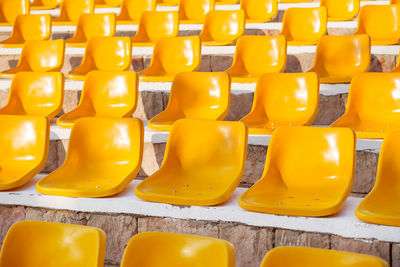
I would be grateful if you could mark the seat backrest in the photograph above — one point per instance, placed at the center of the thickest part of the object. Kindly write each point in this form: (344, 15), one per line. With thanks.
(168, 249)
(394, 2)
(34, 244)
(108, 2)
(132, 9)
(259, 10)
(31, 28)
(50, 3)
(341, 9)
(71, 10)
(10, 9)
(94, 25)
(195, 9)
(221, 25)
(158, 24)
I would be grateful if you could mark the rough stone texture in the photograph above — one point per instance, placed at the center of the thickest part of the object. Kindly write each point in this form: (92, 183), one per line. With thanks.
(396, 255)
(383, 63)
(251, 243)
(371, 247)
(341, 31)
(3, 98)
(205, 63)
(8, 216)
(255, 162)
(330, 108)
(150, 103)
(240, 106)
(295, 238)
(71, 100)
(299, 62)
(221, 63)
(61, 216)
(365, 172)
(153, 155)
(52, 158)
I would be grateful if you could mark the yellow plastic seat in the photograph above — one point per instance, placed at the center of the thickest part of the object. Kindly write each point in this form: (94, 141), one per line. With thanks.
(92, 25)
(259, 11)
(381, 23)
(131, 10)
(394, 2)
(316, 257)
(71, 10)
(36, 94)
(29, 28)
(104, 155)
(10, 9)
(107, 3)
(155, 25)
(339, 58)
(308, 172)
(168, 2)
(105, 95)
(372, 113)
(150, 249)
(195, 95)
(24, 145)
(283, 99)
(39, 56)
(46, 244)
(256, 55)
(172, 55)
(226, 2)
(304, 26)
(194, 11)
(222, 27)
(340, 10)
(294, 1)
(382, 205)
(203, 164)
(105, 54)
(45, 4)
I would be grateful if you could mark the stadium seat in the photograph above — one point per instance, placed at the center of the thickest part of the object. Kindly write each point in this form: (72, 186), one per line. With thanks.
(24, 145)
(117, 58)
(104, 155)
(283, 99)
(71, 10)
(259, 11)
(381, 23)
(339, 58)
(10, 9)
(304, 26)
(131, 10)
(226, 2)
(92, 25)
(151, 249)
(155, 25)
(256, 55)
(382, 205)
(39, 56)
(35, 94)
(29, 28)
(194, 11)
(45, 4)
(171, 56)
(105, 94)
(45, 244)
(372, 113)
(315, 257)
(195, 95)
(222, 27)
(308, 172)
(294, 1)
(394, 2)
(203, 164)
(107, 3)
(340, 10)
(168, 2)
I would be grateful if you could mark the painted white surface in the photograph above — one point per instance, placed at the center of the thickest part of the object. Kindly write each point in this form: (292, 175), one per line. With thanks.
(344, 223)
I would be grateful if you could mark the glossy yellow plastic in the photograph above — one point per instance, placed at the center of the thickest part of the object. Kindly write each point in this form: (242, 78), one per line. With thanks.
(47, 244)
(104, 155)
(382, 205)
(107, 3)
(339, 58)
(39, 56)
(10, 9)
(304, 26)
(203, 164)
(105, 54)
(29, 28)
(195, 95)
(340, 10)
(131, 10)
(308, 172)
(168, 2)
(36, 94)
(283, 99)
(24, 145)
(71, 10)
(222, 27)
(226, 2)
(370, 112)
(172, 55)
(394, 2)
(259, 11)
(316, 257)
(256, 55)
(155, 25)
(150, 249)
(295, 1)
(194, 11)
(105, 95)
(92, 25)
(45, 4)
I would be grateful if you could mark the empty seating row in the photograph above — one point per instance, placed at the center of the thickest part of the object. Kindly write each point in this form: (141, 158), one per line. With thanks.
(48, 244)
